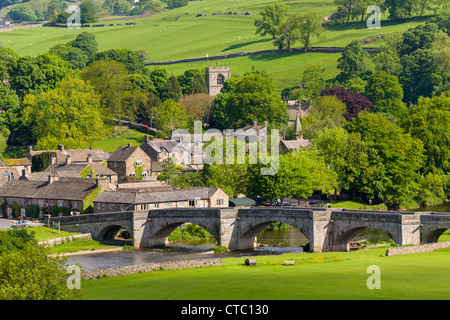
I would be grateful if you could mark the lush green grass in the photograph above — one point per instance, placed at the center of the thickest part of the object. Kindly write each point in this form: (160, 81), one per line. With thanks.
(120, 138)
(81, 245)
(178, 34)
(285, 69)
(357, 205)
(314, 276)
(44, 233)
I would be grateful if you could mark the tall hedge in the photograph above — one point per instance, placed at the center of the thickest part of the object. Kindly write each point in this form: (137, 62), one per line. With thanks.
(41, 161)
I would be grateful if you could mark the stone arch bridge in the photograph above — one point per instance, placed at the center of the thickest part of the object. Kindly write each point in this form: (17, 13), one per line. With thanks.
(237, 228)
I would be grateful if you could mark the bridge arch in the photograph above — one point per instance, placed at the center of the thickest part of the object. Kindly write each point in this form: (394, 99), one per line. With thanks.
(433, 235)
(248, 239)
(160, 236)
(342, 240)
(110, 231)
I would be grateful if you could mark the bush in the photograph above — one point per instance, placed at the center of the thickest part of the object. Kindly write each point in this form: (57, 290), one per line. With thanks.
(32, 211)
(219, 249)
(41, 161)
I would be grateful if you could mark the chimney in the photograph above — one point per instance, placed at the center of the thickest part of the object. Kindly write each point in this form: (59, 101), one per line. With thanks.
(68, 160)
(29, 149)
(146, 138)
(61, 147)
(129, 145)
(255, 123)
(24, 173)
(101, 182)
(53, 177)
(89, 158)
(91, 147)
(53, 160)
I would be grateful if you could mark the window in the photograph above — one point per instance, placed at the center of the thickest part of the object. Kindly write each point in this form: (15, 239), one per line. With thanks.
(220, 79)
(168, 205)
(132, 174)
(156, 205)
(219, 202)
(138, 163)
(144, 174)
(191, 203)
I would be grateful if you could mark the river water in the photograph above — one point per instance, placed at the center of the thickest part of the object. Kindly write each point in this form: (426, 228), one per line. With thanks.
(271, 242)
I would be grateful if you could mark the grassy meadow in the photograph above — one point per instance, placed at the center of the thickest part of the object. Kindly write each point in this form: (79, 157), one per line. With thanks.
(179, 34)
(334, 275)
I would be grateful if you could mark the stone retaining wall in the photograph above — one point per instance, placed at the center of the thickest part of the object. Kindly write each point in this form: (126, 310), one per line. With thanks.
(243, 54)
(171, 265)
(54, 242)
(418, 249)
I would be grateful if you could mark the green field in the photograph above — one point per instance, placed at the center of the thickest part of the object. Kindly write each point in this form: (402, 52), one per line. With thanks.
(178, 34)
(314, 276)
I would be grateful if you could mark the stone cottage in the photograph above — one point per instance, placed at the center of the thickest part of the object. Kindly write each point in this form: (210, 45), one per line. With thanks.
(160, 150)
(76, 155)
(130, 161)
(159, 198)
(52, 195)
(87, 169)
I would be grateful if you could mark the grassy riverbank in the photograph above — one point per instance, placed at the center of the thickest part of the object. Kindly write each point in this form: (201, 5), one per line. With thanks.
(332, 275)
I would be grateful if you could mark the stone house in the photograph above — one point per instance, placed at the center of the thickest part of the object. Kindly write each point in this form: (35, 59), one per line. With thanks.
(7, 174)
(160, 198)
(87, 169)
(160, 150)
(18, 164)
(130, 161)
(52, 195)
(76, 155)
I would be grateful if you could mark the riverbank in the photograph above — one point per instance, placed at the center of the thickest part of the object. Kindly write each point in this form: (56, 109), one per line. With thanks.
(331, 276)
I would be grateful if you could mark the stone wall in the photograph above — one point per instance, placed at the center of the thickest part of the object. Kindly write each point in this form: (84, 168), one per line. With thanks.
(54, 242)
(417, 249)
(243, 54)
(171, 265)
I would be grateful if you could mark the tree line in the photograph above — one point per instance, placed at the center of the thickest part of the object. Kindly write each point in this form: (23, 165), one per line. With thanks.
(286, 29)
(54, 11)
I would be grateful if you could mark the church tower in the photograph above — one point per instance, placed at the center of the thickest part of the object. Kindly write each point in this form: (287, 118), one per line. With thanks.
(215, 77)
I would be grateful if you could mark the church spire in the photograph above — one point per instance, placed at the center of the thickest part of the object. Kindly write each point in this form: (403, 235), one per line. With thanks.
(297, 128)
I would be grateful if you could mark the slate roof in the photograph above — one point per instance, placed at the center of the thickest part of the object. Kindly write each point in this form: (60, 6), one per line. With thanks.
(76, 155)
(133, 196)
(43, 176)
(5, 174)
(58, 190)
(122, 153)
(295, 144)
(160, 145)
(79, 167)
(16, 162)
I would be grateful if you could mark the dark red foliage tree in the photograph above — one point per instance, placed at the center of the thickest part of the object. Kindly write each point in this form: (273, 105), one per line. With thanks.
(355, 101)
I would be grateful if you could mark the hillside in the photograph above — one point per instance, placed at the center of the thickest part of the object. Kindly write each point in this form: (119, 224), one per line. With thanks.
(179, 34)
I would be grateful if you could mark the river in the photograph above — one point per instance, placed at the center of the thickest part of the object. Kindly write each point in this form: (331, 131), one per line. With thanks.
(272, 243)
